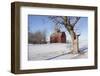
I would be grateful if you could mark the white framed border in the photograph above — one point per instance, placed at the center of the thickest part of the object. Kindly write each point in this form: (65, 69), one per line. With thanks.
(25, 64)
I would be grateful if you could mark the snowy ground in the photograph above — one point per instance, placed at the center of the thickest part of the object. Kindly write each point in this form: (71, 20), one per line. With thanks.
(55, 51)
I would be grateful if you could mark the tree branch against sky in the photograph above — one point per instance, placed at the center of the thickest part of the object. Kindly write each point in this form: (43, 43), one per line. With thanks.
(42, 22)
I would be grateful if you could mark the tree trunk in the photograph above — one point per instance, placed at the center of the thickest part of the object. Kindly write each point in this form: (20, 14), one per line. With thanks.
(75, 42)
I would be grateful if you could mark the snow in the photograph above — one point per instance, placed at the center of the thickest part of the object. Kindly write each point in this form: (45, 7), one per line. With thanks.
(55, 51)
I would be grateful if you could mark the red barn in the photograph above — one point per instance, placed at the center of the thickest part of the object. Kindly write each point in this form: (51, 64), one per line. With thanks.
(58, 37)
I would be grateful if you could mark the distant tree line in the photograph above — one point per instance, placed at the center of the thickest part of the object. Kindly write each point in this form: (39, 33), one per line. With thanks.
(38, 37)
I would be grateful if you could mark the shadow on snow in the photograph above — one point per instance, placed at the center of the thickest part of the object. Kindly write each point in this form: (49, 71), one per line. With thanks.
(81, 51)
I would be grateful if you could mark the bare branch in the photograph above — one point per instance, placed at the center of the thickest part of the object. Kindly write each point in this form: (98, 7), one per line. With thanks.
(68, 21)
(76, 20)
(57, 19)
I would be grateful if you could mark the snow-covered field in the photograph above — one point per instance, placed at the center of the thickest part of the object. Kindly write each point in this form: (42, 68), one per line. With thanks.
(54, 51)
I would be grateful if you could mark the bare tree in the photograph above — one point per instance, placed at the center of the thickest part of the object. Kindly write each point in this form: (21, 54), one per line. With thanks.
(69, 23)
(44, 35)
(38, 37)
